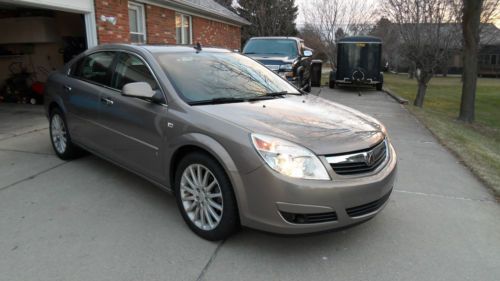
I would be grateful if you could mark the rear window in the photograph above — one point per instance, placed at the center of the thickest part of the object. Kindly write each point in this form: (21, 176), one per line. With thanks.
(281, 47)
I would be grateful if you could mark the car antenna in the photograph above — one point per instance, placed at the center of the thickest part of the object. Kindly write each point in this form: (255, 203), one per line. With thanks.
(198, 47)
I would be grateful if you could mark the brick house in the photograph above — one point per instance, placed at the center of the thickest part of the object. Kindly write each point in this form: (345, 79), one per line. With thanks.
(167, 22)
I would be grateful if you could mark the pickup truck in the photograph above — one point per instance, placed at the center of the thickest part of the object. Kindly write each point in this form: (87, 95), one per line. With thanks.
(287, 56)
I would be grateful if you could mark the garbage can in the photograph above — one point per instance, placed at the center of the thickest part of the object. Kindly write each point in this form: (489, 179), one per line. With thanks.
(316, 66)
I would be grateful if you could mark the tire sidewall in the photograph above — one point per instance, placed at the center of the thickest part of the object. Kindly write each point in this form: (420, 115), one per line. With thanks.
(230, 220)
(52, 114)
(71, 151)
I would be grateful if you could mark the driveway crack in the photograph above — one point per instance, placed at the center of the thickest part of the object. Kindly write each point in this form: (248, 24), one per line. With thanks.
(210, 261)
(23, 133)
(24, 151)
(33, 176)
(445, 196)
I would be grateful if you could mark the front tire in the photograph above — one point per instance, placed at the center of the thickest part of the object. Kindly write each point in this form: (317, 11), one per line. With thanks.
(60, 137)
(308, 88)
(205, 197)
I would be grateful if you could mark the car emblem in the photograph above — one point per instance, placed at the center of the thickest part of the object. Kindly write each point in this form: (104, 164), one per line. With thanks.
(369, 158)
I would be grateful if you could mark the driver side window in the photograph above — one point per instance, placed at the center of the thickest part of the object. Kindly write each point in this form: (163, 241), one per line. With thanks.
(129, 69)
(95, 68)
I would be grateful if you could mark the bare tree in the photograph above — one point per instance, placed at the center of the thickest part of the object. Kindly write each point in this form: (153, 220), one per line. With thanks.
(387, 31)
(312, 39)
(327, 17)
(428, 29)
(474, 12)
(470, 29)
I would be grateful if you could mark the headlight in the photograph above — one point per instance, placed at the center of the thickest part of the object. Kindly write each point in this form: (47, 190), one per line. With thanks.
(286, 67)
(289, 159)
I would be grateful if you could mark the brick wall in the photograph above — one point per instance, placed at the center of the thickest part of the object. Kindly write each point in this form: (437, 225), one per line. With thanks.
(160, 26)
(106, 32)
(213, 33)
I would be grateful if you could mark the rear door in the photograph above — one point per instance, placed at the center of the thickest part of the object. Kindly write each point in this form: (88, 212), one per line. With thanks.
(82, 91)
(135, 128)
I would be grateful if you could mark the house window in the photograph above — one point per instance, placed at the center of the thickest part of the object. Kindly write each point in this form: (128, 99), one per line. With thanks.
(137, 22)
(183, 25)
(493, 59)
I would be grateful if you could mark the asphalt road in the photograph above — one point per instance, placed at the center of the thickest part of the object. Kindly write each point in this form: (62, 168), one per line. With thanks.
(90, 220)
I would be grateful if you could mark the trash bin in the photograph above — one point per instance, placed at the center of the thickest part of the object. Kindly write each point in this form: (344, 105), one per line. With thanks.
(316, 66)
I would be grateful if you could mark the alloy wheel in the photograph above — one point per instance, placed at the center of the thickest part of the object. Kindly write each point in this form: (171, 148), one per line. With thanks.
(201, 197)
(58, 132)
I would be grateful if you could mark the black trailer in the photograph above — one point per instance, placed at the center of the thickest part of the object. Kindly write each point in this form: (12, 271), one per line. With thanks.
(358, 62)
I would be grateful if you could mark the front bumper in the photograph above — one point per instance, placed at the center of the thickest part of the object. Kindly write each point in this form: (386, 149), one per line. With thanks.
(270, 197)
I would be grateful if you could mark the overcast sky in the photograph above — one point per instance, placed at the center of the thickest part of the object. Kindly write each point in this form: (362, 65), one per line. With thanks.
(300, 18)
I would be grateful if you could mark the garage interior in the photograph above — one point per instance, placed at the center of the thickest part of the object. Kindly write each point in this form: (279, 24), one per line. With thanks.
(35, 42)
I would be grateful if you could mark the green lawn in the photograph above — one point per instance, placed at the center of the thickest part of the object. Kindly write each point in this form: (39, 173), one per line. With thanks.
(477, 145)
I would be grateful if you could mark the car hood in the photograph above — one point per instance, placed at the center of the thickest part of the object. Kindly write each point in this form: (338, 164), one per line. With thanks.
(322, 126)
(271, 57)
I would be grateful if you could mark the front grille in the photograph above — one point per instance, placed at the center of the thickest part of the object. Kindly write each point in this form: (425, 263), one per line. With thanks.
(367, 208)
(309, 218)
(360, 162)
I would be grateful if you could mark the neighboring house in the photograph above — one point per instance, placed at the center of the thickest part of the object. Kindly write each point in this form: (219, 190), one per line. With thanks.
(488, 57)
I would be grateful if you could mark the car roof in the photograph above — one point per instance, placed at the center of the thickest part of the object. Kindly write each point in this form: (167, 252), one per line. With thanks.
(360, 39)
(159, 48)
(276, 37)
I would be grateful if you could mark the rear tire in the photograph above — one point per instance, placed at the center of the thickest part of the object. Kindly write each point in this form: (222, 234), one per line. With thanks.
(205, 197)
(60, 137)
(379, 86)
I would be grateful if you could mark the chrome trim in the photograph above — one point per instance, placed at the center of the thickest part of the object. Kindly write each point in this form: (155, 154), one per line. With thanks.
(273, 67)
(111, 88)
(360, 157)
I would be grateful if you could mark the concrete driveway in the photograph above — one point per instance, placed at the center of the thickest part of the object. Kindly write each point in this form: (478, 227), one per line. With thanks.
(90, 220)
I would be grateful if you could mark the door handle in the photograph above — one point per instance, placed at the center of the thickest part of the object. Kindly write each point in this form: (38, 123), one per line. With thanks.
(67, 88)
(107, 101)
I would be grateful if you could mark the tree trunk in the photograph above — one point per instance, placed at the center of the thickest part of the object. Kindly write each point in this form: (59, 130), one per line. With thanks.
(422, 89)
(470, 29)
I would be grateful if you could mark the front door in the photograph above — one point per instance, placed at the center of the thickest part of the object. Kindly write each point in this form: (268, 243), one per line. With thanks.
(82, 92)
(135, 128)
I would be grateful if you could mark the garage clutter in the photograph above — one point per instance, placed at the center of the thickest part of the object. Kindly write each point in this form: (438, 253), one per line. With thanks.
(35, 43)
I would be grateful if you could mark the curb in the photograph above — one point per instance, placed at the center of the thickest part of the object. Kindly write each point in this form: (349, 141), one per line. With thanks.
(395, 96)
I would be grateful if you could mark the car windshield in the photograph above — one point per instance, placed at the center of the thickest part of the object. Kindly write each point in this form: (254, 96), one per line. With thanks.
(205, 76)
(282, 47)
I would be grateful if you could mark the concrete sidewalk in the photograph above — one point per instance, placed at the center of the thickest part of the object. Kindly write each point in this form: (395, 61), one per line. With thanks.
(90, 220)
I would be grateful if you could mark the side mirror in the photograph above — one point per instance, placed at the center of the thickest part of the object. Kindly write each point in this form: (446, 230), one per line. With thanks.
(308, 53)
(138, 90)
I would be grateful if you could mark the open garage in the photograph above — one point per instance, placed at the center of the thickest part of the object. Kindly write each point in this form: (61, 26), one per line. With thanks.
(39, 37)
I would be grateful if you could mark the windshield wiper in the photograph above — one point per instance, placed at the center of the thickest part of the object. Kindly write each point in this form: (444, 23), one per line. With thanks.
(217, 101)
(277, 94)
(282, 93)
(235, 99)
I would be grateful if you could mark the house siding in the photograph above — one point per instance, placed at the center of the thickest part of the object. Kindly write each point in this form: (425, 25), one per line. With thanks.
(160, 26)
(213, 33)
(106, 32)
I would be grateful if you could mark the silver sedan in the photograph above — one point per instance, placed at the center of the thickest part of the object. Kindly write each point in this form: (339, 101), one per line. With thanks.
(236, 143)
